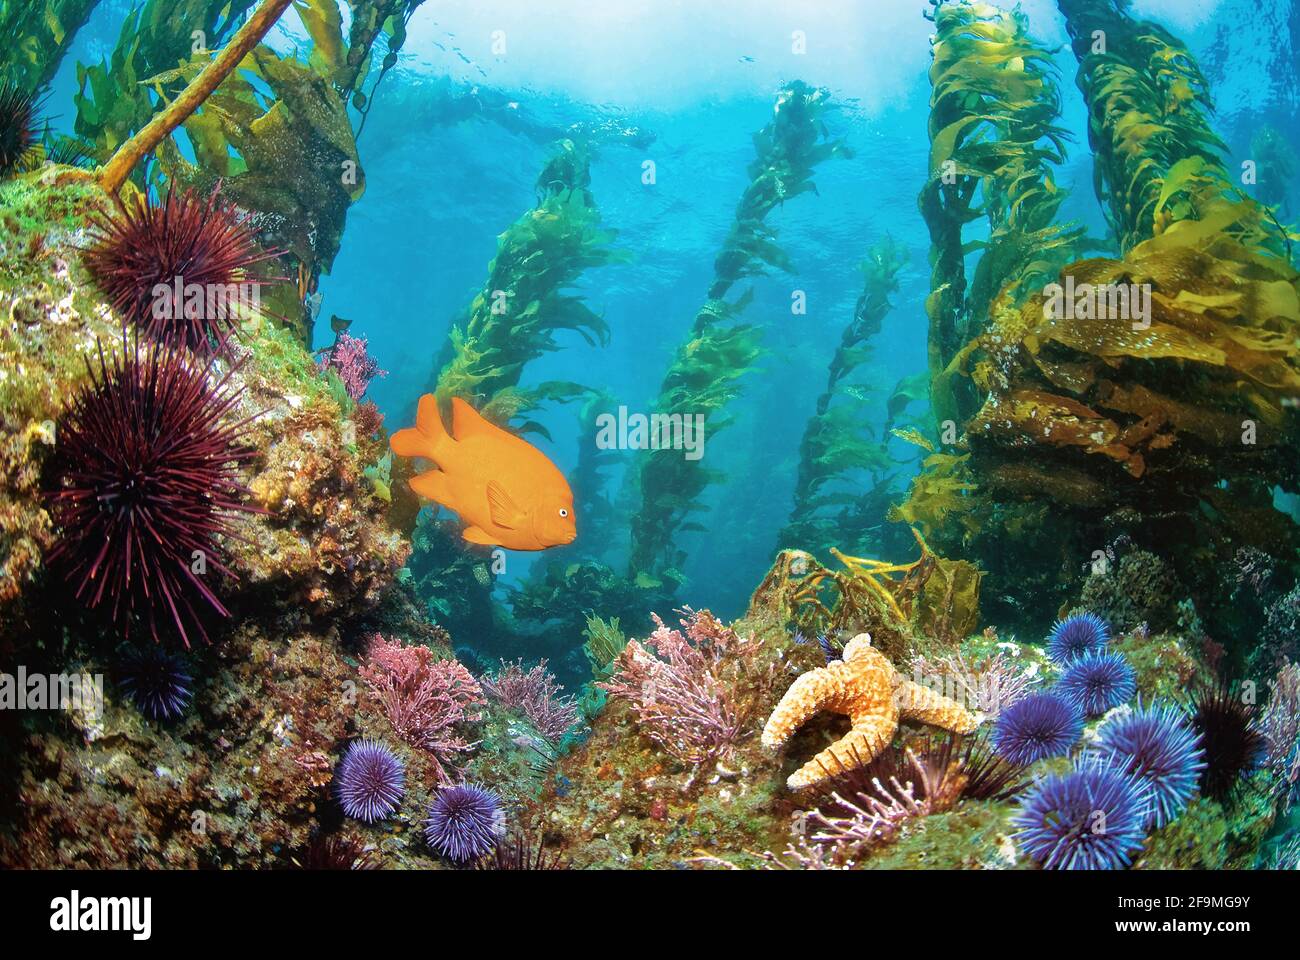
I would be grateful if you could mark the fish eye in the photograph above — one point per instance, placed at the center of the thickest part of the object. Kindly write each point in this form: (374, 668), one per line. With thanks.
(564, 512)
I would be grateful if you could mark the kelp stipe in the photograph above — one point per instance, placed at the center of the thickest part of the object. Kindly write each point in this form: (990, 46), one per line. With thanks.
(703, 377)
(995, 138)
(526, 299)
(837, 441)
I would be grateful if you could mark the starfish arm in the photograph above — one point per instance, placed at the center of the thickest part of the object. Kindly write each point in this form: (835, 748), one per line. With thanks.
(806, 696)
(918, 702)
(855, 749)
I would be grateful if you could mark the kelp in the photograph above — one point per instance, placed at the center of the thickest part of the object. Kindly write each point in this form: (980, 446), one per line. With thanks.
(994, 141)
(1173, 427)
(275, 130)
(1156, 159)
(371, 19)
(37, 33)
(1200, 397)
(925, 606)
(115, 98)
(527, 298)
(703, 378)
(837, 442)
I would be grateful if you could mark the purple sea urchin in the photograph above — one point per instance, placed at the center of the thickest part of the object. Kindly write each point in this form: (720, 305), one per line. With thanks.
(140, 257)
(1097, 682)
(1035, 727)
(1157, 746)
(157, 680)
(145, 478)
(1092, 818)
(465, 822)
(369, 781)
(1076, 635)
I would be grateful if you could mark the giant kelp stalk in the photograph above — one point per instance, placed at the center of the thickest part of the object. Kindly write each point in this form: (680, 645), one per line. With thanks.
(1151, 394)
(527, 299)
(994, 139)
(837, 441)
(276, 132)
(1156, 158)
(119, 167)
(37, 33)
(524, 303)
(703, 378)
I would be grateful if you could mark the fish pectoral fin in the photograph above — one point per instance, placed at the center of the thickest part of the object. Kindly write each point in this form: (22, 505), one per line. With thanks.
(503, 510)
(477, 535)
(432, 485)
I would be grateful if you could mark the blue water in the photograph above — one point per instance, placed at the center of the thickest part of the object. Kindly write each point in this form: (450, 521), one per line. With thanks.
(699, 77)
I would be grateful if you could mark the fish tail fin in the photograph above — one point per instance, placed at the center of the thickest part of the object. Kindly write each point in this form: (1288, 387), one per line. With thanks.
(426, 437)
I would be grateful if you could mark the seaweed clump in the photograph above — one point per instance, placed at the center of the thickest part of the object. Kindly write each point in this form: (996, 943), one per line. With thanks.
(1150, 393)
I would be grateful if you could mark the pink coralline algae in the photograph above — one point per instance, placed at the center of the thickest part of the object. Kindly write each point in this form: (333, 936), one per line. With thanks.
(350, 358)
(679, 688)
(536, 695)
(425, 700)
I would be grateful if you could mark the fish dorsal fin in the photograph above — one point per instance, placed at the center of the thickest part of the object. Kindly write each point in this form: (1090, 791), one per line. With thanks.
(468, 422)
(505, 513)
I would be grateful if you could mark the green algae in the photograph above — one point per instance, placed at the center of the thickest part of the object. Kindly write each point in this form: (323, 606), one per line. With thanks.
(973, 836)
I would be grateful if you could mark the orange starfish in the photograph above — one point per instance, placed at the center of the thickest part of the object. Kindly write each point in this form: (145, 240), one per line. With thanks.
(865, 686)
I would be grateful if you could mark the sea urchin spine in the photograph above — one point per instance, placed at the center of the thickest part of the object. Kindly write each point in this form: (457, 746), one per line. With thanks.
(1097, 682)
(1076, 635)
(157, 680)
(1038, 726)
(178, 270)
(465, 822)
(369, 781)
(145, 479)
(19, 130)
(1157, 746)
(1092, 818)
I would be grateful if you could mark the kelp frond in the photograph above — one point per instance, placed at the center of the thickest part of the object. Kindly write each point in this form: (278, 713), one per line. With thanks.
(526, 299)
(1157, 160)
(994, 142)
(705, 372)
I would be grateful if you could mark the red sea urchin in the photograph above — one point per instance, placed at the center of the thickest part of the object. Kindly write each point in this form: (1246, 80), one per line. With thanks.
(19, 130)
(179, 269)
(144, 479)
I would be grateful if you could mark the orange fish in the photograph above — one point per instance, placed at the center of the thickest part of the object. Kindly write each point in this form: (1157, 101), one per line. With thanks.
(505, 490)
